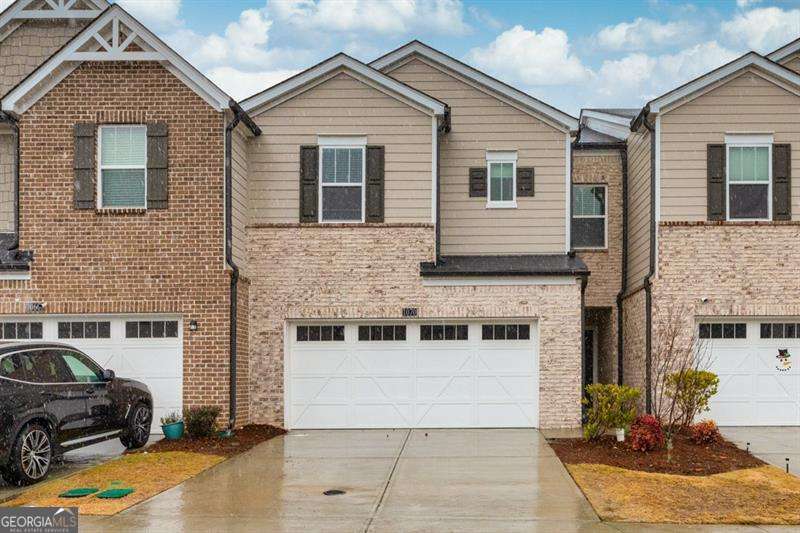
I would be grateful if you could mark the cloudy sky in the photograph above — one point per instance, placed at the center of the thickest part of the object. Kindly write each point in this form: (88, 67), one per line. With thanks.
(571, 54)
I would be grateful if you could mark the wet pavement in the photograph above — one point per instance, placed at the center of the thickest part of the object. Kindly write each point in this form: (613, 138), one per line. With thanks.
(773, 445)
(393, 481)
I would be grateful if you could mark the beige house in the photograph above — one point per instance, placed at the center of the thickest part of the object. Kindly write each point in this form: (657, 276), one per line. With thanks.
(404, 243)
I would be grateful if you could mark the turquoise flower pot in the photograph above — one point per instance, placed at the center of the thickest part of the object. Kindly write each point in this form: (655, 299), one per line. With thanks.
(173, 431)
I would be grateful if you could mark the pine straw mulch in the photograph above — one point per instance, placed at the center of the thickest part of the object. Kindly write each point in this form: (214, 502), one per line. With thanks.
(149, 471)
(687, 458)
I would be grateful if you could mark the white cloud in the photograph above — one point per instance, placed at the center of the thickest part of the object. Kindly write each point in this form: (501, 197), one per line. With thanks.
(155, 14)
(746, 3)
(542, 58)
(643, 33)
(374, 16)
(5, 3)
(241, 84)
(763, 29)
(485, 17)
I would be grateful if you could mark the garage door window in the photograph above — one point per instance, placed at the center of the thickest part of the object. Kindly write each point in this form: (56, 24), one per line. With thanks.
(773, 330)
(444, 332)
(379, 332)
(21, 330)
(320, 333)
(84, 330)
(151, 329)
(511, 332)
(726, 330)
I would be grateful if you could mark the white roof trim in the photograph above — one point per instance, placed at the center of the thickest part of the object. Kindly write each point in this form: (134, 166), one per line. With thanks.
(46, 76)
(57, 9)
(607, 117)
(784, 51)
(330, 65)
(525, 100)
(747, 60)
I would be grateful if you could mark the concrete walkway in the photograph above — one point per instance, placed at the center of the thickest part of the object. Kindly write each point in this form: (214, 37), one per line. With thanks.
(770, 444)
(394, 481)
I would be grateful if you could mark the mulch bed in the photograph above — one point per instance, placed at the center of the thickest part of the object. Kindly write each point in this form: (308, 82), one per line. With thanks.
(687, 458)
(242, 440)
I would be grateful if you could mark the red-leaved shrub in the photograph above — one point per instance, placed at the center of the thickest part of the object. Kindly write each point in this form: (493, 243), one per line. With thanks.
(705, 432)
(646, 434)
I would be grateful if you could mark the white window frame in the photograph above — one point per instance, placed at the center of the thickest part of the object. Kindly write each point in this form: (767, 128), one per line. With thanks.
(332, 143)
(501, 157)
(101, 167)
(604, 216)
(747, 141)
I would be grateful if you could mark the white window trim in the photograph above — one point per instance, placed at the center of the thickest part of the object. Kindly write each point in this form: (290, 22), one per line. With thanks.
(320, 186)
(501, 157)
(747, 141)
(604, 216)
(101, 167)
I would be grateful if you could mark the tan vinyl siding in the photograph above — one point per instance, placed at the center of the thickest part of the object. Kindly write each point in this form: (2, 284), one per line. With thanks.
(482, 122)
(347, 106)
(639, 206)
(792, 62)
(6, 183)
(748, 103)
(239, 197)
(30, 45)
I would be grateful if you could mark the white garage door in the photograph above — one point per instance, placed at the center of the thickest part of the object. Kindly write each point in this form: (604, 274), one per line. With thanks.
(758, 364)
(433, 375)
(144, 348)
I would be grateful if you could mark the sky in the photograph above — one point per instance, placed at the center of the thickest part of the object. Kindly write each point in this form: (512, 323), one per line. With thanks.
(570, 54)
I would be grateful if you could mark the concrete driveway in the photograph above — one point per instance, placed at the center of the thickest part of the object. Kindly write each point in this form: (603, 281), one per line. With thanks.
(770, 444)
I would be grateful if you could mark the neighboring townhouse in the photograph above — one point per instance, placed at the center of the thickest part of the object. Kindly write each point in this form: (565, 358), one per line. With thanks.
(713, 229)
(116, 224)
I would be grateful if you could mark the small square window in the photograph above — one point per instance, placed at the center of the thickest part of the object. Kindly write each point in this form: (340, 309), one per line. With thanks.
(789, 331)
(36, 330)
(302, 333)
(363, 333)
(9, 330)
(145, 329)
(131, 330)
(63, 330)
(524, 332)
(171, 329)
(158, 329)
(338, 333)
(375, 333)
(727, 331)
(438, 332)
(23, 330)
(716, 331)
(314, 333)
(462, 332)
(499, 332)
(90, 330)
(400, 333)
(388, 333)
(326, 333)
(77, 330)
(777, 331)
(450, 333)
(766, 331)
(487, 332)
(512, 332)
(741, 331)
(426, 333)
(705, 331)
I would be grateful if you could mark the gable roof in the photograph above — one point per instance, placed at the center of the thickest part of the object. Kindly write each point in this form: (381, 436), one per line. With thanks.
(784, 51)
(494, 85)
(21, 10)
(750, 59)
(113, 36)
(339, 61)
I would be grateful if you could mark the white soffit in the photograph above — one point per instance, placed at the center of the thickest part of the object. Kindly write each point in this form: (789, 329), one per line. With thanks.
(750, 59)
(496, 86)
(332, 64)
(113, 36)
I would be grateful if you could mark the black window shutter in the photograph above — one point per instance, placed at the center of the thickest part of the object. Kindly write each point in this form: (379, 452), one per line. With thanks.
(84, 161)
(157, 166)
(525, 181)
(715, 170)
(374, 184)
(781, 182)
(477, 182)
(309, 170)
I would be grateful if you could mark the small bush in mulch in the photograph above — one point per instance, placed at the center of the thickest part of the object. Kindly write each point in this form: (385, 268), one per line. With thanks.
(705, 432)
(687, 458)
(242, 440)
(646, 434)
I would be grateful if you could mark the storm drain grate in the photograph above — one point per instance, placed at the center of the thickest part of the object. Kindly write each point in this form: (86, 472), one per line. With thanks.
(333, 492)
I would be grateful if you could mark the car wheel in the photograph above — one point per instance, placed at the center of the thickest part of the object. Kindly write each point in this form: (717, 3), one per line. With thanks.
(138, 431)
(31, 456)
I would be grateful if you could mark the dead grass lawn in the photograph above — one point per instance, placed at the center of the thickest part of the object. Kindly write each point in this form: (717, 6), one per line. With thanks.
(762, 495)
(148, 473)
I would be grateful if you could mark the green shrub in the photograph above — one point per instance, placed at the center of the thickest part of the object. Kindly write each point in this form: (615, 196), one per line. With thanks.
(201, 421)
(171, 418)
(610, 406)
(691, 390)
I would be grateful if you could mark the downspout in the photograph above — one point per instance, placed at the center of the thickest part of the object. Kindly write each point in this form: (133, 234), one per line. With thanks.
(584, 283)
(239, 115)
(624, 282)
(14, 244)
(648, 288)
(443, 128)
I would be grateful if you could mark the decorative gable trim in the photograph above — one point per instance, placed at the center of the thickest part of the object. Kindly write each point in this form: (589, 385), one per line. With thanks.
(784, 51)
(751, 59)
(113, 36)
(340, 61)
(52, 9)
(496, 86)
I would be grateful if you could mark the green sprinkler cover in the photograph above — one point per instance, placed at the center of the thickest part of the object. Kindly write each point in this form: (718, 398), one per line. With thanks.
(78, 493)
(115, 493)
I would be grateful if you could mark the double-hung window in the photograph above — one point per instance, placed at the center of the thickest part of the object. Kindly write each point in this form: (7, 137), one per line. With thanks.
(502, 169)
(122, 179)
(589, 216)
(749, 177)
(342, 169)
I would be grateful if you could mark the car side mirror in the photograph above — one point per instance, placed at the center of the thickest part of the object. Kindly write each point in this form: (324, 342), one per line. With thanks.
(108, 374)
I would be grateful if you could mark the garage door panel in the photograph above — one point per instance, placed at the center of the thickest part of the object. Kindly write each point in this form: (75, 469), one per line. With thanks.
(412, 383)
(150, 361)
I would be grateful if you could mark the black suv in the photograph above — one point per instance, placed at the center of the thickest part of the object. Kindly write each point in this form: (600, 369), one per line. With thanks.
(54, 398)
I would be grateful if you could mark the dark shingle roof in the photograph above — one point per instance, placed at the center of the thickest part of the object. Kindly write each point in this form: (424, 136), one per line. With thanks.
(624, 112)
(505, 265)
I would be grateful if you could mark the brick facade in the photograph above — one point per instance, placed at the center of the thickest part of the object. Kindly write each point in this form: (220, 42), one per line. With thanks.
(372, 271)
(154, 261)
(634, 335)
(603, 167)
